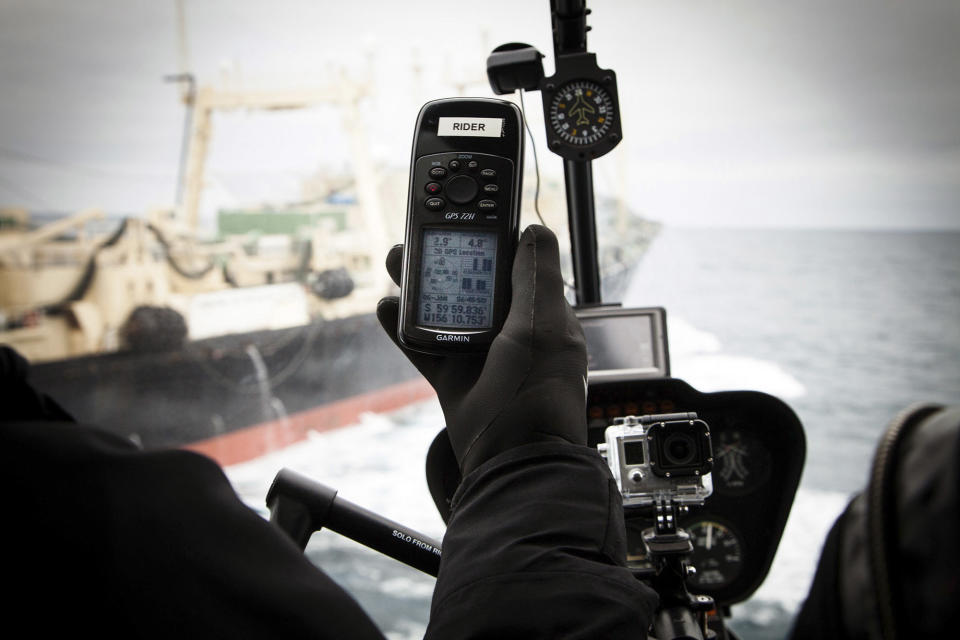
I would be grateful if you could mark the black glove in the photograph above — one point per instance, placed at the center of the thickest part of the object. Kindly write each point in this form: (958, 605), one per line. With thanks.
(531, 386)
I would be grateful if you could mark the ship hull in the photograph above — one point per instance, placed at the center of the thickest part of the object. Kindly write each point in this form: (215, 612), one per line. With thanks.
(238, 397)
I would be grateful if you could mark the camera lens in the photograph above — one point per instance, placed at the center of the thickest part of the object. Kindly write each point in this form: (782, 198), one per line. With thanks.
(679, 449)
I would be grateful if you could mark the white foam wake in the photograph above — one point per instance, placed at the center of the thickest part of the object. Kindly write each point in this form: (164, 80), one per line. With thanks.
(377, 464)
(811, 517)
(697, 357)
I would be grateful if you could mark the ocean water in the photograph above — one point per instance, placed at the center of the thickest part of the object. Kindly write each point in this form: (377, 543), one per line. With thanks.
(848, 327)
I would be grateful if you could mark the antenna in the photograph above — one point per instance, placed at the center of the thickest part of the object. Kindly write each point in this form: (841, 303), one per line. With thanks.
(188, 94)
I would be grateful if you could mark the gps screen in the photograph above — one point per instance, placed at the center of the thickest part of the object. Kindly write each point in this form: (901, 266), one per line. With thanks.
(456, 279)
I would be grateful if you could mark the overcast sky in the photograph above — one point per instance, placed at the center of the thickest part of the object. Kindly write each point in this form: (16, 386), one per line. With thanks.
(735, 113)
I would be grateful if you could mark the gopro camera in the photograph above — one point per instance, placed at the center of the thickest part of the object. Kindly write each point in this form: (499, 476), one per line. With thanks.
(665, 458)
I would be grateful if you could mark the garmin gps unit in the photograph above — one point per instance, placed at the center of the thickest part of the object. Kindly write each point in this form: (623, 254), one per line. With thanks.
(463, 214)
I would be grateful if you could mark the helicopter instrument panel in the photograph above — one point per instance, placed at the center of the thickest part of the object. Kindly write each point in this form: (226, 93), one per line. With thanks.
(758, 451)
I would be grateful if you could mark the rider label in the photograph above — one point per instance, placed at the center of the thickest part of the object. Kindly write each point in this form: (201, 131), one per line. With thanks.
(472, 127)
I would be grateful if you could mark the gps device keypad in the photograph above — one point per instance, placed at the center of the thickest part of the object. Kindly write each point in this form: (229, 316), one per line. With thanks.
(477, 187)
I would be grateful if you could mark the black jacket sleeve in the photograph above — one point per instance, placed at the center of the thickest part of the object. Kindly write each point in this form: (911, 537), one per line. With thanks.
(101, 537)
(536, 549)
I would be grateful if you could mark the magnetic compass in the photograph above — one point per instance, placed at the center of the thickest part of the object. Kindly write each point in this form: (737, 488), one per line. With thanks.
(580, 108)
(581, 113)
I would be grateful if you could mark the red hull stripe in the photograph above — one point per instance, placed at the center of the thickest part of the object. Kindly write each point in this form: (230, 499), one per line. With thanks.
(260, 439)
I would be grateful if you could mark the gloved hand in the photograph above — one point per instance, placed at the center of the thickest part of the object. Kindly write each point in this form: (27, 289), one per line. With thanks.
(531, 386)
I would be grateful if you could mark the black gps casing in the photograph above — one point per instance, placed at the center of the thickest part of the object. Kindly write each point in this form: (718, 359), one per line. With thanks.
(461, 185)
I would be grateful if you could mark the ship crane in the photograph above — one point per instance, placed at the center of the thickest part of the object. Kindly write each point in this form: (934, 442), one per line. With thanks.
(345, 94)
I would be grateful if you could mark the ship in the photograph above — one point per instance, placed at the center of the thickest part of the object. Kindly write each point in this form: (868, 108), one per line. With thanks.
(241, 344)
(127, 338)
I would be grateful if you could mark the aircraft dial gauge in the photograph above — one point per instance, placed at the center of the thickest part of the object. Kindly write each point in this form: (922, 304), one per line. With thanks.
(581, 113)
(717, 554)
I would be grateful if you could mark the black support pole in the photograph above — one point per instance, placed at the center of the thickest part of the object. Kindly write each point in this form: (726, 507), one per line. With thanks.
(578, 177)
(570, 29)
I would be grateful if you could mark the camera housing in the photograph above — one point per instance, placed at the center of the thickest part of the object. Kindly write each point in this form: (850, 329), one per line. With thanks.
(664, 458)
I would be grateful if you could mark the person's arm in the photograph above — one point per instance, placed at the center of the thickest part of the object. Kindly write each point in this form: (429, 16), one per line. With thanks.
(535, 545)
(535, 548)
(99, 536)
